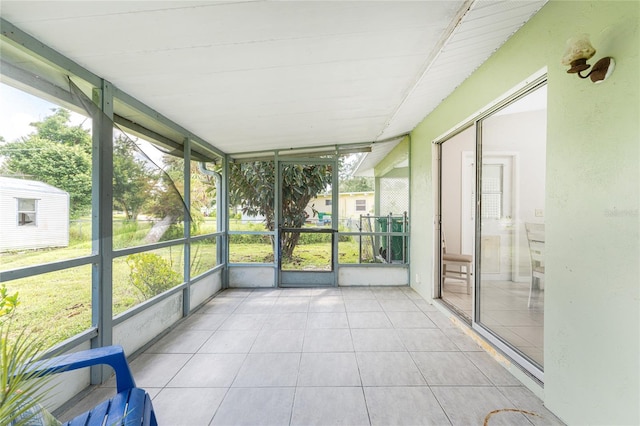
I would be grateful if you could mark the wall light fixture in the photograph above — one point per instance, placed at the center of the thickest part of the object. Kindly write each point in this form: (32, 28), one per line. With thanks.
(578, 51)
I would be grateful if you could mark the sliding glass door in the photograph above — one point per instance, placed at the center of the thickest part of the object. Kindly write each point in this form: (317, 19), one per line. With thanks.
(510, 225)
(492, 214)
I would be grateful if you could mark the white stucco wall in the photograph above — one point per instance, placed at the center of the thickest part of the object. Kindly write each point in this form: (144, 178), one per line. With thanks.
(143, 327)
(252, 276)
(204, 288)
(373, 276)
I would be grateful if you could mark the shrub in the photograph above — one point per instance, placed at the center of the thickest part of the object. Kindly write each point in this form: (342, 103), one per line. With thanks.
(314, 238)
(249, 239)
(151, 274)
(175, 231)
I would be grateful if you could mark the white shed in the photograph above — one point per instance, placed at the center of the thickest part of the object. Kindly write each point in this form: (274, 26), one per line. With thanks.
(32, 215)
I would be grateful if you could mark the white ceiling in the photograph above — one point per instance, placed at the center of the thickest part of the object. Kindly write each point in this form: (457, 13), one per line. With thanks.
(257, 75)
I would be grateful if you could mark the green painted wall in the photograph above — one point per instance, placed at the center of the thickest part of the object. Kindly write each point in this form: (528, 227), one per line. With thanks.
(592, 289)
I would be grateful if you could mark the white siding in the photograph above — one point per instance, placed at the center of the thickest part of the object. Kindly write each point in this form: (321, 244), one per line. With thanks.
(52, 216)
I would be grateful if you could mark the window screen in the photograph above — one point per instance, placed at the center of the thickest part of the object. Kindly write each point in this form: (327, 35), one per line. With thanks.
(492, 191)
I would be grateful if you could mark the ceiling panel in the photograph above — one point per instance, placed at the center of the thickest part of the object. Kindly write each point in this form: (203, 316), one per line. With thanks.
(249, 76)
(482, 30)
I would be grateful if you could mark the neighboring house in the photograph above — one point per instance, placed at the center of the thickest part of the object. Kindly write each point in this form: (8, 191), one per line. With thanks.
(350, 205)
(32, 215)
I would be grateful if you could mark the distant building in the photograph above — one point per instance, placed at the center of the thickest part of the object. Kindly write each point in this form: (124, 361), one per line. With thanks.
(350, 206)
(32, 215)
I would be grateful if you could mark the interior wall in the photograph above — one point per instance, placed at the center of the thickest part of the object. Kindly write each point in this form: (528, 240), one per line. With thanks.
(592, 300)
(522, 134)
(451, 175)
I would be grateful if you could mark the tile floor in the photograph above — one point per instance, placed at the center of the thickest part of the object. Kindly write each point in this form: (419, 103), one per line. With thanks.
(349, 356)
(506, 311)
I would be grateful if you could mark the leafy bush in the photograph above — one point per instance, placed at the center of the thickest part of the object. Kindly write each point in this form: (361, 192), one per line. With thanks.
(151, 274)
(175, 231)
(314, 238)
(249, 239)
(21, 388)
(8, 303)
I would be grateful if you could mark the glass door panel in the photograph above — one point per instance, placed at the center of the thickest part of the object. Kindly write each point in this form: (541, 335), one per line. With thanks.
(457, 212)
(510, 292)
(306, 243)
(313, 251)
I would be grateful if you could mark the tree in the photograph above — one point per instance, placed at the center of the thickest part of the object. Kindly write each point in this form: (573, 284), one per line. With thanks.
(56, 128)
(57, 154)
(203, 190)
(132, 180)
(350, 183)
(159, 192)
(357, 184)
(168, 202)
(168, 193)
(252, 186)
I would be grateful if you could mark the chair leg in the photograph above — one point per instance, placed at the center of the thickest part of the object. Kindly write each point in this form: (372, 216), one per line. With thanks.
(468, 276)
(443, 272)
(530, 291)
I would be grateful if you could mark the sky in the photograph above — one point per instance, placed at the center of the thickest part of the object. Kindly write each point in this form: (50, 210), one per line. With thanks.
(18, 109)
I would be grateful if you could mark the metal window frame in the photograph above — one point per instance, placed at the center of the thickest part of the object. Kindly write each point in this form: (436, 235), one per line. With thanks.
(34, 212)
(56, 68)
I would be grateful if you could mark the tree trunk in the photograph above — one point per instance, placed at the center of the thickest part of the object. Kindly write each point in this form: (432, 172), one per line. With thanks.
(158, 230)
(289, 242)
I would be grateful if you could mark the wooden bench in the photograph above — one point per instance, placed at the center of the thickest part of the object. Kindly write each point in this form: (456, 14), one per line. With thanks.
(130, 406)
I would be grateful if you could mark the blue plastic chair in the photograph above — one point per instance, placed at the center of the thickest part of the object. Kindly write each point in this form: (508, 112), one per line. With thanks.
(130, 406)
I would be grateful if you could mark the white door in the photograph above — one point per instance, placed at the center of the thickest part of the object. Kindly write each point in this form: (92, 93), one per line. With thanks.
(497, 216)
(468, 203)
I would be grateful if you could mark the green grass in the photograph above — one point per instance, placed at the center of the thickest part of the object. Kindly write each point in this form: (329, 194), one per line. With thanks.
(21, 259)
(54, 306)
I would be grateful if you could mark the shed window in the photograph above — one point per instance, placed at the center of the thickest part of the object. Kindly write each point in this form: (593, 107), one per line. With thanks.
(327, 202)
(27, 212)
(361, 205)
